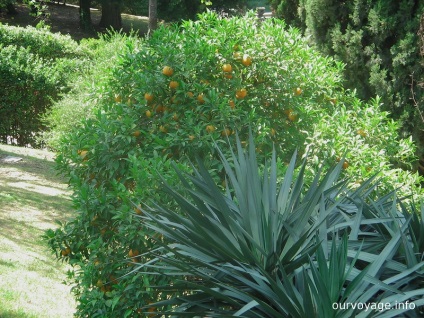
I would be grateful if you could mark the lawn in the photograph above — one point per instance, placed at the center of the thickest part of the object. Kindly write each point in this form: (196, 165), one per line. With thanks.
(65, 19)
(32, 199)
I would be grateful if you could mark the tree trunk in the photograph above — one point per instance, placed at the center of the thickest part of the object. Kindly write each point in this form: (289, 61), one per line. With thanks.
(85, 15)
(111, 15)
(11, 9)
(153, 15)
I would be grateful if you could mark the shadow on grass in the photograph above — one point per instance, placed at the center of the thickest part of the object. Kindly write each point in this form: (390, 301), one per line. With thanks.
(14, 314)
(32, 165)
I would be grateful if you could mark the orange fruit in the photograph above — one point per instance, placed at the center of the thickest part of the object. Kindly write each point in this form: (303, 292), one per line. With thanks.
(237, 55)
(229, 76)
(247, 60)
(66, 251)
(227, 68)
(133, 253)
(298, 91)
(148, 97)
(137, 209)
(292, 116)
(232, 104)
(163, 129)
(168, 71)
(200, 99)
(226, 132)
(345, 164)
(241, 93)
(190, 94)
(361, 132)
(99, 283)
(160, 109)
(191, 137)
(83, 153)
(210, 128)
(148, 113)
(173, 84)
(118, 98)
(136, 133)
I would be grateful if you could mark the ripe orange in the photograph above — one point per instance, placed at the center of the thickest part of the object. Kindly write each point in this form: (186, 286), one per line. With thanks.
(173, 84)
(148, 97)
(191, 137)
(226, 132)
(247, 60)
(232, 104)
(83, 153)
(210, 128)
(298, 91)
(168, 71)
(66, 251)
(200, 99)
(345, 164)
(241, 93)
(361, 133)
(136, 133)
(148, 113)
(227, 68)
(237, 55)
(118, 98)
(160, 109)
(292, 116)
(190, 94)
(137, 209)
(133, 253)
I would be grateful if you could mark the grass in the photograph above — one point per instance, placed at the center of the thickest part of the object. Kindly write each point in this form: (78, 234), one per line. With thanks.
(32, 199)
(65, 19)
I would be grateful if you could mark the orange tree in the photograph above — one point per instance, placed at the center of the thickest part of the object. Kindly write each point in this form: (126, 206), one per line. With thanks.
(172, 97)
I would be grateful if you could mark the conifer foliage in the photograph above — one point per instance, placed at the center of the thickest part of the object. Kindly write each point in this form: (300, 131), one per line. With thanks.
(378, 41)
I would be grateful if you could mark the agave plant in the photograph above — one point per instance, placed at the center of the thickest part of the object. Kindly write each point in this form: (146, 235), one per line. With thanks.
(267, 247)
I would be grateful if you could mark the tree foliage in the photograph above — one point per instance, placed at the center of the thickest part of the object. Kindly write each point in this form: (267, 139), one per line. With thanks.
(378, 42)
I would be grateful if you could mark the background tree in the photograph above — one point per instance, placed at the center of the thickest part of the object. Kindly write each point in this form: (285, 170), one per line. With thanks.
(111, 14)
(153, 15)
(378, 42)
(85, 14)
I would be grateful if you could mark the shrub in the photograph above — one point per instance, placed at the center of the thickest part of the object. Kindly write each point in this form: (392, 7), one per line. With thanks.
(42, 42)
(67, 112)
(172, 96)
(282, 249)
(35, 67)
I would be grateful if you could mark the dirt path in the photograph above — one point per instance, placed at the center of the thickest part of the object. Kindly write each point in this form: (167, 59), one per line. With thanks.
(32, 199)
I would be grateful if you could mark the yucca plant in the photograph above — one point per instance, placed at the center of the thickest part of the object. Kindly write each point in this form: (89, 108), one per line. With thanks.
(267, 247)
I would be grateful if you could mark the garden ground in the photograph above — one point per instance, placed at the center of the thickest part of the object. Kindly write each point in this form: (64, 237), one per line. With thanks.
(32, 199)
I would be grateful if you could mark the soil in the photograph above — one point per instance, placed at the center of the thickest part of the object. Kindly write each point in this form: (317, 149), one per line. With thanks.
(65, 19)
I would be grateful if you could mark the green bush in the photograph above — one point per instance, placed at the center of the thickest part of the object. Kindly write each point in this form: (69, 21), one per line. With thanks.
(35, 68)
(67, 112)
(42, 42)
(268, 248)
(172, 96)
